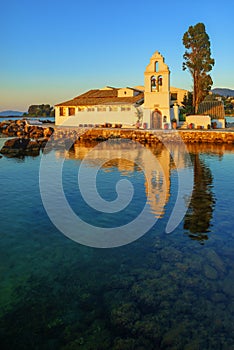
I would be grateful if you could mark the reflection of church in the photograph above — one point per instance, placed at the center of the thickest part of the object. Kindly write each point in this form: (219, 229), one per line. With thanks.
(127, 158)
(151, 106)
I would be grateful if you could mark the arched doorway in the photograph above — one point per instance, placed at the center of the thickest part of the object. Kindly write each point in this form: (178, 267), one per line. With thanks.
(156, 120)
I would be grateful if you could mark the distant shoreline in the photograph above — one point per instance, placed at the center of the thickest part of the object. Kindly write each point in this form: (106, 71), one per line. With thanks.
(21, 117)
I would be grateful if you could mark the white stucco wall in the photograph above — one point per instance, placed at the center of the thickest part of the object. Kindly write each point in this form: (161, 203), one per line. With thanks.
(95, 117)
(220, 123)
(199, 120)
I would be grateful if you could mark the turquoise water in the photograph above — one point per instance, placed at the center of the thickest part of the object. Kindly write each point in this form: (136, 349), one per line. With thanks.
(163, 291)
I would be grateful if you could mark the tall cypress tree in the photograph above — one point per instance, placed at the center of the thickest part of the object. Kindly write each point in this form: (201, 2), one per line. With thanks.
(197, 59)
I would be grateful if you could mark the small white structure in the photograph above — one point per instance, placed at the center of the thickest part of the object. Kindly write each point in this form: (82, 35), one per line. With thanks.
(199, 121)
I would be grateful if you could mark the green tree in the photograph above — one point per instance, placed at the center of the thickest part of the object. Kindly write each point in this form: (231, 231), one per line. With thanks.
(40, 110)
(187, 104)
(197, 59)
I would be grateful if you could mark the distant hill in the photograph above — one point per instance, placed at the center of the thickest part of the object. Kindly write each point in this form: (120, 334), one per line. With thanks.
(223, 92)
(11, 114)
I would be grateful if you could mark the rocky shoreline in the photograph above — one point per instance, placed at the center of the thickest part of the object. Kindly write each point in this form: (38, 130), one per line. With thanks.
(30, 139)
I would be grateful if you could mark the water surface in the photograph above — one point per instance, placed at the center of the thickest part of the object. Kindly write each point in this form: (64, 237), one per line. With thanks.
(163, 291)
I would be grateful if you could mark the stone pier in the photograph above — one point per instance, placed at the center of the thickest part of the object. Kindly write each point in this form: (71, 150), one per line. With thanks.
(147, 136)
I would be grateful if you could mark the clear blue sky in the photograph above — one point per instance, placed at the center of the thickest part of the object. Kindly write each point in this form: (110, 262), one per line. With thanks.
(54, 50)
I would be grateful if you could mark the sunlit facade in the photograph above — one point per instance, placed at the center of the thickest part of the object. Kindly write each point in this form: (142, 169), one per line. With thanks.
(151, 106)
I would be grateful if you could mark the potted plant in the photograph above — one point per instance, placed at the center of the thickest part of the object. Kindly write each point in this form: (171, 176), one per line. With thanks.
(214, 125)
(139, 115)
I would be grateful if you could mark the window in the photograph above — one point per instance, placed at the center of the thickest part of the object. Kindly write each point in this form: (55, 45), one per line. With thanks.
(71, 111)
(125, 108)
(113, 108)
(174, 96)
(90, 109)
(101, 109)
(156, 66)
(62, 111)
(160, 80)
(153, 83)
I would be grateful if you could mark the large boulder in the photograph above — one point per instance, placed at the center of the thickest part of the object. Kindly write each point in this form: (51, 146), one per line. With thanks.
(48, 131)
(32, 149)
(15, 147)
(22, 128)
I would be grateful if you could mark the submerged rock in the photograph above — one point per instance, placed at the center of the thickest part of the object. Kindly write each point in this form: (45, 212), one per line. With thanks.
(215, 260)
(228, 285)
(14, 147)
(210, 272)
(19, 147)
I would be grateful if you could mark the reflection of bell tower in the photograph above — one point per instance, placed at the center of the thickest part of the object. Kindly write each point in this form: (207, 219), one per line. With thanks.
(157, 88)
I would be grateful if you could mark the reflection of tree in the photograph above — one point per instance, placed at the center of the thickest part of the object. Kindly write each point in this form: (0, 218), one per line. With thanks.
(199, 214)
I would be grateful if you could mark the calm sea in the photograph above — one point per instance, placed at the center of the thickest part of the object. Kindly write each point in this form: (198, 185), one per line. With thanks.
(163, 291)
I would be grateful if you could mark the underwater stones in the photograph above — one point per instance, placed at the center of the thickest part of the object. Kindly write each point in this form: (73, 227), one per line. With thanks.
(170, 254)
(126, 344)
(125, 316)
(210, 272)
(218, 297)
(228, 284)
(145, 295)
(213, 258)
(174, 336)
(196, 264)
(194, 345)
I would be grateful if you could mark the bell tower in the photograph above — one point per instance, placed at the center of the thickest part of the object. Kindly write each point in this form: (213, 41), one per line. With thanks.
(157, 89)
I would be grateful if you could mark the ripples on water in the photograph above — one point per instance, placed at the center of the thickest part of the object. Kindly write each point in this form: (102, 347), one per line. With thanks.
(160, 292)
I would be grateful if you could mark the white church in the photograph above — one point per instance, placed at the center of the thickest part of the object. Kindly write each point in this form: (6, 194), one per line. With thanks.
(152, 106)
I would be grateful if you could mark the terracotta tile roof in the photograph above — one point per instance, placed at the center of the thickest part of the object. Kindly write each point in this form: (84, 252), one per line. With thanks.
(215, 109)
(101, 97)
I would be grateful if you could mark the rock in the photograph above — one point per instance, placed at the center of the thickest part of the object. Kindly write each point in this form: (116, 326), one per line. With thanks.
(48, 131)
(16, 143)
(215, 260)
(171, 254)
(43, 141)
(228, 285)
(218, 297)
(32, 149)
(173, 336)
(21, 128)
(210, 272)
(15, 147)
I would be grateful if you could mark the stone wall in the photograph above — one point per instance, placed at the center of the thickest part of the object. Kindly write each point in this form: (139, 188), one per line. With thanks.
(31, 139)
(148, 137)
